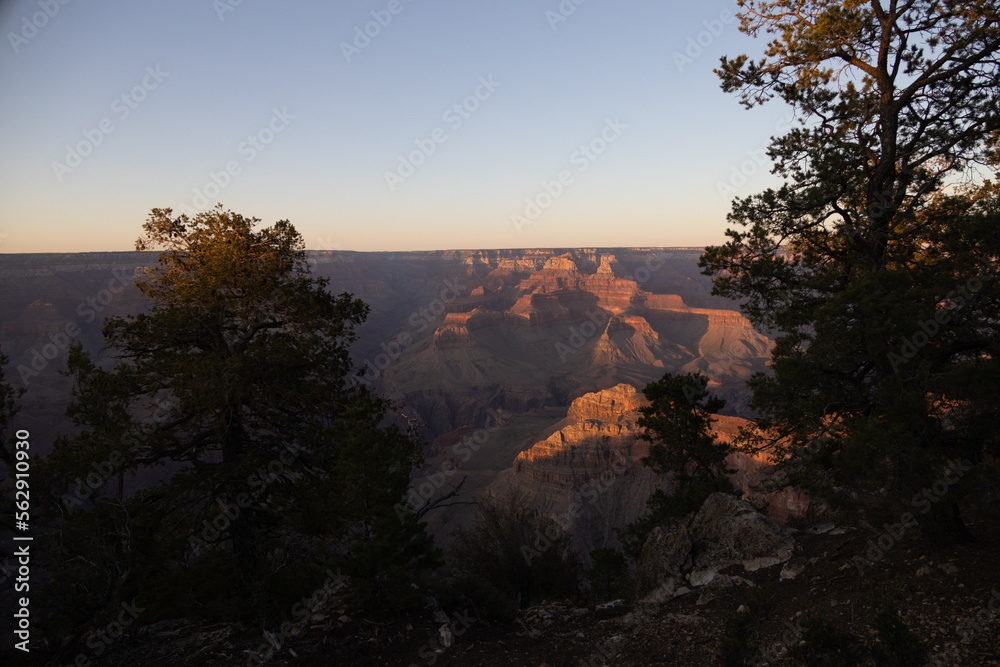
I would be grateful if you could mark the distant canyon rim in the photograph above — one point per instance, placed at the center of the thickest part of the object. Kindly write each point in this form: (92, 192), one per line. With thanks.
(523, 367)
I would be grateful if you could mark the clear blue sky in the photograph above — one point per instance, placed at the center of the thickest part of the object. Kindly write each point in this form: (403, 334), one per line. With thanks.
(311, 132)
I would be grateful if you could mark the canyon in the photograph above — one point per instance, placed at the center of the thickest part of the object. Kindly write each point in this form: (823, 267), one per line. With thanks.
(523, 369)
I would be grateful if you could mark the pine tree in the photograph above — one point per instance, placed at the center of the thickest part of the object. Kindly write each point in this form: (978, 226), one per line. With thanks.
(873, 264)
(234, 392)
(678, 424)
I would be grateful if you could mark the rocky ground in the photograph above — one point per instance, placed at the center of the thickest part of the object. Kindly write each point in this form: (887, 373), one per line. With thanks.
(944, 597)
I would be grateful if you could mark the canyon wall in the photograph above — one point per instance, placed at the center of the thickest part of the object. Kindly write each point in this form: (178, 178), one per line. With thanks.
(457, 338)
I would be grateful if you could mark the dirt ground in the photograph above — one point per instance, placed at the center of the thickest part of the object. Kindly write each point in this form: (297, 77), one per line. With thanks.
(949, 599)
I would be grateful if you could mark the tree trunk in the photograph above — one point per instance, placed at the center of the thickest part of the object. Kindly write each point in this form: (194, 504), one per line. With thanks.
(241, 526)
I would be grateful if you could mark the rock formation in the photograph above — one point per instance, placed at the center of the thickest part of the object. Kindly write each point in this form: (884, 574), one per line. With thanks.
(609, 405)
(452, 334)
(594, 461)
(726, 531)
(588, 474)
(454, 337)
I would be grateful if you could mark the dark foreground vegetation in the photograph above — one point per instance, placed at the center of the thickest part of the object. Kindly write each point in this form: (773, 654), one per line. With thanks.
(274, 486)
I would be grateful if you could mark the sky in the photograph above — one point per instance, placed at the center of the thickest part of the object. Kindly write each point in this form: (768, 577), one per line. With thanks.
(377, 124)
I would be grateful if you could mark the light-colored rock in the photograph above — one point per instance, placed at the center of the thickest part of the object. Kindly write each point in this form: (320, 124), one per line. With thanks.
(664, 591)
(721, 582)
(702, 577)
(609, 605)
(754, 564)
(663, 555)
(447, 638)
(725, 531)
(793, 568)
(608, 405)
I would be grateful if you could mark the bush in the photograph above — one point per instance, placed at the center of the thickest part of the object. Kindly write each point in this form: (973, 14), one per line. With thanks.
(525, 555)
(897, 646)
(608, 573)
(486, 599)
(735, 649)
(826, 645)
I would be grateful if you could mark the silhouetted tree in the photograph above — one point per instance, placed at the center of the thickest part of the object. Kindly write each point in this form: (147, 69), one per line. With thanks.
(678, 424)
(524, 554)
(607, 572)
(277, 467)
(878, 278)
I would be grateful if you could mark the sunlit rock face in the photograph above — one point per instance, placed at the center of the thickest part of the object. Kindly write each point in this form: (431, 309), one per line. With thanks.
(602, 437)
(561, 341)
(530, 329)
(590, 473)
(609, 405)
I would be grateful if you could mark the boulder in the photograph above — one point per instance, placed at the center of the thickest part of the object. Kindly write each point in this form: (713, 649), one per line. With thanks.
(725, 531)
(664, 555)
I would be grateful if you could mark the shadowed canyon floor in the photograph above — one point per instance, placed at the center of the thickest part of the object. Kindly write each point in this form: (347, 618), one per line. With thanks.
(486, 349)
(523, 367)
(452, 334)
